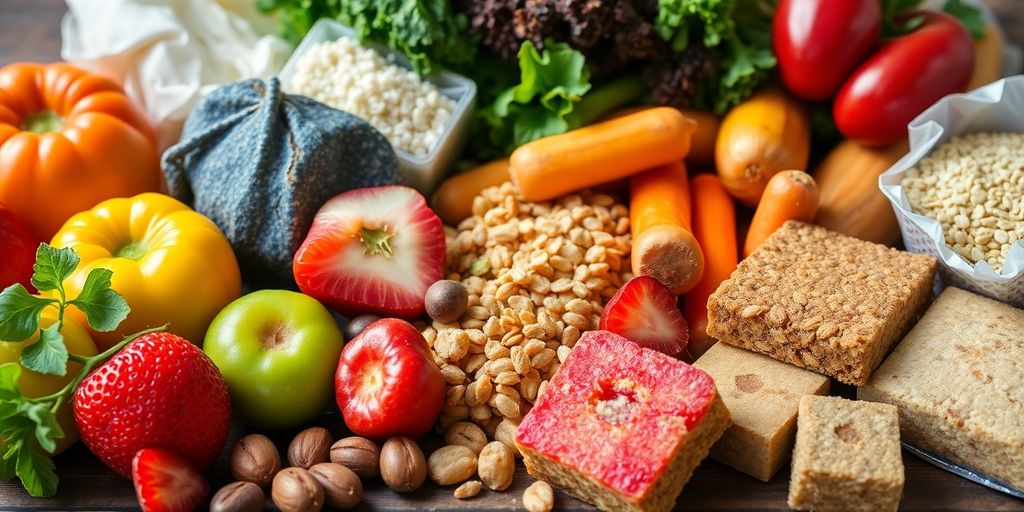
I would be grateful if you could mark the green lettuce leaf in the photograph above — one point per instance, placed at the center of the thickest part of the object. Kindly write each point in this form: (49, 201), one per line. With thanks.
(738, 32)
(551, 83)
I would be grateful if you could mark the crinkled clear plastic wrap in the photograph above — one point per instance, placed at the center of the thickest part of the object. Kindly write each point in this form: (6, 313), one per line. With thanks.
(997, 107)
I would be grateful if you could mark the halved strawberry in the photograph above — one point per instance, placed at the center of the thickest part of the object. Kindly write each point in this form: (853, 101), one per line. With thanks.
(372, 250)
(644, 311)
(166, 482)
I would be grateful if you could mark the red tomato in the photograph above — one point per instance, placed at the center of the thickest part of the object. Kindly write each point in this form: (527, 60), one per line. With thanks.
(18, 249)
(903, 78)
(387, 383)
(820, 42)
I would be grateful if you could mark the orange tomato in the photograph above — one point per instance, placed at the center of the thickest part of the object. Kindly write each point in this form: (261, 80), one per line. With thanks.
(69, 140)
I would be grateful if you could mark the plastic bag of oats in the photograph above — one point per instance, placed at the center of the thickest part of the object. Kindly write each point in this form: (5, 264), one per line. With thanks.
(959, 193)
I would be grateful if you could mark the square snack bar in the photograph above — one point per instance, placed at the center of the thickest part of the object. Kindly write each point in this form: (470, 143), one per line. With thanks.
(620, 426)
(823, 301)
(763, 396)
(847, 456)
(958, 382)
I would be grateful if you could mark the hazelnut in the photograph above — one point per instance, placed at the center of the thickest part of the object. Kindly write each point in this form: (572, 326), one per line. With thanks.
(295, 490)
(342, 488)
(402, 465)
(238, 497)
(358, 454)
(311, 446)
(446, 301)
(357, 324)
(254, 458)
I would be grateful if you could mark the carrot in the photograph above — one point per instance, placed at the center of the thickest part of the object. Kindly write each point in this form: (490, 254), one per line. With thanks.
(556, 165)
(790, 195)
(453, 200)
(702, 142)
(663, 246)
(714, 227)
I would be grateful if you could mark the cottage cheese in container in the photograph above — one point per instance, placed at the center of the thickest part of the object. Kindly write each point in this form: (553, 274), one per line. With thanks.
(410, 112)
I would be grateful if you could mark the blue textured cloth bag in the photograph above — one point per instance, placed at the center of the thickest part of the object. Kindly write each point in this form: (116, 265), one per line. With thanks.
(260, 163)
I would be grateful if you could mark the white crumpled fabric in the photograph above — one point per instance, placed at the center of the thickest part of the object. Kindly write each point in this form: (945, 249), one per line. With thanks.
(170, 53)
(996, 107)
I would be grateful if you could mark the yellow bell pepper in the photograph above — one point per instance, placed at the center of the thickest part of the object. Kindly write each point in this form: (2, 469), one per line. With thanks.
(171, 264)
(35, 385)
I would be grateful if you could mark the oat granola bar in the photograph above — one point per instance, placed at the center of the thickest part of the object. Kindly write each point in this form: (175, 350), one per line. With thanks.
(847, 456)
(762, 396)
(820, 300)
(957, 381)
(621, 426)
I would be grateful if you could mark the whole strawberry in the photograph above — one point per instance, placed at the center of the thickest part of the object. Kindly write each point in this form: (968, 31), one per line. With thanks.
(160, 391)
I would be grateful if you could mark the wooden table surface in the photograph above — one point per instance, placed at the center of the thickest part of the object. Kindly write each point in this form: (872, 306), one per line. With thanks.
(30, 30)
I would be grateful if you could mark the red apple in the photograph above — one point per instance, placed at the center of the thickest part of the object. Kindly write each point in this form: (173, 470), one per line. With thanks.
(18, 246)
(387, 383)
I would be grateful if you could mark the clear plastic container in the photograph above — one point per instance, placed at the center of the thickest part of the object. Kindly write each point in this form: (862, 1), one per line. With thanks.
(420, 171)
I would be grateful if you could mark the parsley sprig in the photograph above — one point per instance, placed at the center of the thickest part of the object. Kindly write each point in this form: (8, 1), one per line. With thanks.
(27, 424)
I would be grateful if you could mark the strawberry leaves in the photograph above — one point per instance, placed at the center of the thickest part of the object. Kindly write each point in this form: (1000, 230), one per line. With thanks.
(48, 355)
(104, 308)
(23, 423)
(19, 313)
(52, 267)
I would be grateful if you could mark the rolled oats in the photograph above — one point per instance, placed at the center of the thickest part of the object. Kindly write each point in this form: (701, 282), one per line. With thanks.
(973, 186)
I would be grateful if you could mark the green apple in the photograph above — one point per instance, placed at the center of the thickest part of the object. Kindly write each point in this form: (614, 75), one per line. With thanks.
(278, 351)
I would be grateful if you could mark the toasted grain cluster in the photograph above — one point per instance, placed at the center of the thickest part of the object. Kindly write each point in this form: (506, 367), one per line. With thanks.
(538, 275)
(820, 300)
(973, 186)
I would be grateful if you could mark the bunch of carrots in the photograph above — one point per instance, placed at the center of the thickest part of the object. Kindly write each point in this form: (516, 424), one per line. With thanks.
(684, 228)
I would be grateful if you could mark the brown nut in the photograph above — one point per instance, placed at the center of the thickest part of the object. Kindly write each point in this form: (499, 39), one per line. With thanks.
(295, 490)
(402, 465)
(539, 497)
(358, 454)
(311, 446)
(254, 458)
(238, 497)
(466, 434)
(357, 324)
(468, 489)
(451, 464)
(446, 301)
(342, 488)
(497, 466)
